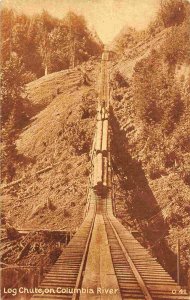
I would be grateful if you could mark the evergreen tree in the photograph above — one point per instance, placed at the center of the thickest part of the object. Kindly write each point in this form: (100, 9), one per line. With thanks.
(14, 115)
(13, 80)
(46, 44)
(9, 154)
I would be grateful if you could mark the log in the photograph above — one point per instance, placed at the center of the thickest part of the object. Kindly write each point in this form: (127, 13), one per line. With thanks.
(45, 230)
(44, 170)
(99, 116)
(105, 137)
(103, 113)
(11, 183)
(98, 137)
(105, 170)
(48, 168)
(97, 182)
(99, 169)
(106, 116)
(95, 172)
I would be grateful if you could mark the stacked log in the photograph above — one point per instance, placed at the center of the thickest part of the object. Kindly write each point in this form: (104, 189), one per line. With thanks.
(105, 137)
(98, 172)
(98, 137)
(105, 169)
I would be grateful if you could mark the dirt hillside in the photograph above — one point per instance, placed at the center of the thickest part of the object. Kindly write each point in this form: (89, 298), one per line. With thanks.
(59, 135)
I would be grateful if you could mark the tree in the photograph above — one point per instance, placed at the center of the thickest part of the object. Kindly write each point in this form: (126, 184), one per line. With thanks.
(172, 12)
(14, 111)
(34, 61)
(82, 44)
(157, 96)
(9, 154)
(46, 24)
(46, 44)
(60, 48)
(13, 80)
(7, 22)
(176, 48)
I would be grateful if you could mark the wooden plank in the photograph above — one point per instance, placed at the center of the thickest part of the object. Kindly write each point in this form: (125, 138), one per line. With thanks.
(140, 281)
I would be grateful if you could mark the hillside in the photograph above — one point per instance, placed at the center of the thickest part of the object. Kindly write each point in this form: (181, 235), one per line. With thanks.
(150, 88)
(60, 134)
(151, 131)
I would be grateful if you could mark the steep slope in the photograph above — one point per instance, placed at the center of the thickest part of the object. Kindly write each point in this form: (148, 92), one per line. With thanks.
(150, 124)
(59, 135)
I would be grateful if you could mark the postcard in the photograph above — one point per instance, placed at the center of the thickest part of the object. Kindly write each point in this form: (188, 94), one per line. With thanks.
(95, 149)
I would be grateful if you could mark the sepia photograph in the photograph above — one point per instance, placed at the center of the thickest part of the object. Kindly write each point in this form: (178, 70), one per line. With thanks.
(95, 149)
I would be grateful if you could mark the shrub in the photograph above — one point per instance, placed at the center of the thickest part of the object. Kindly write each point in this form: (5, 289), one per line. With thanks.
(117, 95)
(149, 79)
(172, 12)
(173, 112)
(13, 80)
(79, 138)
(29, 76)
(88, 106)
(157, 96)
(66, 213)
(176, 47)
(183, 142)
(185, 174)
(150, 112)
(121, 81)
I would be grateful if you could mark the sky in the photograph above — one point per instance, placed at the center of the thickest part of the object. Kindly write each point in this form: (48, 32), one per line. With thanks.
(107, 17)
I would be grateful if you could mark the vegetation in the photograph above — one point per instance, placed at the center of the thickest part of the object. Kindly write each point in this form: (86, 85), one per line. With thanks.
(79, 139)
(152, 86)
(14, 77)
(161, 97)
(33, 47)
(176, 48)
(156, 118)
(126, 40)
(172, 12)
(46, 44)
(15, 110)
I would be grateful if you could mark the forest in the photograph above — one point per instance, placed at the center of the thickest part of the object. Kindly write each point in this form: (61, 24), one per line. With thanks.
(31, 48)
(46, 44)
(161, 86)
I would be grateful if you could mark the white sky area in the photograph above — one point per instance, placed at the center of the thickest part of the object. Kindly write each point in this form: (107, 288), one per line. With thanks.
(107, 16)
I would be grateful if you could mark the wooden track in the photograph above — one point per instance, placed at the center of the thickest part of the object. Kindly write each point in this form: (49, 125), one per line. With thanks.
(137, 274)
(67, 271)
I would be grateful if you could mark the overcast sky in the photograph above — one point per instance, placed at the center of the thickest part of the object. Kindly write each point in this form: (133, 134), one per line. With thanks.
(106, 16)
